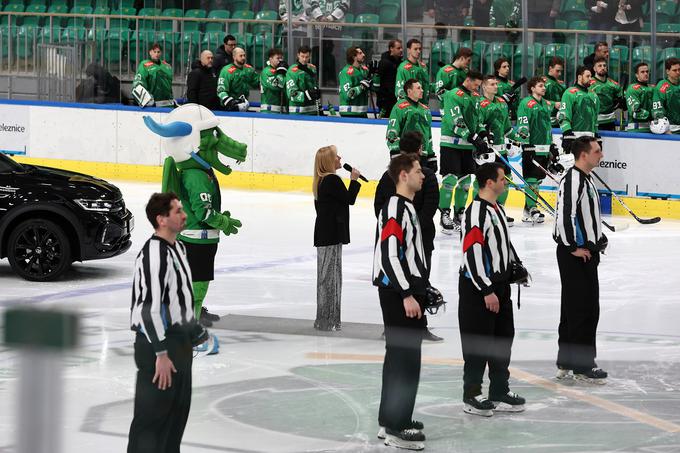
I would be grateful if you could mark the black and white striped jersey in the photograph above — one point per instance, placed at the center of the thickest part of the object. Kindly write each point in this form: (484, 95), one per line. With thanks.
(577, 220)
(487, 250)
(399, 258)
(162, 294)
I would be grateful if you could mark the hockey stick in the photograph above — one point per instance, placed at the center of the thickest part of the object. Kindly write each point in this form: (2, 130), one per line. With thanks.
(537, 195)
(639, 219)
(549, 208)
(550, 175)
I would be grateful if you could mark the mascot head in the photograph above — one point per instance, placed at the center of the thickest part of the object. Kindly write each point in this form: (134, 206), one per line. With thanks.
(193, 139)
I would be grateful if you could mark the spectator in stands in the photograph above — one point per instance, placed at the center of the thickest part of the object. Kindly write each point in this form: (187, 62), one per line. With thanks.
(387, 76)
(480, 12)
(224, 53)
(601, 50)
(447, 12)
(542, 13)
(202, 82)
(100, 87)
(629, 17)
(601, 15)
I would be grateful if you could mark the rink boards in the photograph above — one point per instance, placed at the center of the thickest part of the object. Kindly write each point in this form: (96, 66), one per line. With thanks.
(113, 142)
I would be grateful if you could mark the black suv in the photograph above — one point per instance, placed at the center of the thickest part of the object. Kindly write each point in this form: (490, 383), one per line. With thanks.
(50, 218)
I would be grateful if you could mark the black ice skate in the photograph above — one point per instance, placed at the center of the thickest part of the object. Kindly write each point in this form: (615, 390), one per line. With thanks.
(533, 215)
(478, 405)
(415, 424)
(592, 376)
(446, 222)
(408, 439)
(510, 402)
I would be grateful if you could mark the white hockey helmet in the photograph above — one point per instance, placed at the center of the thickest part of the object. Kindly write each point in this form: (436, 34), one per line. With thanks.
(660, 126)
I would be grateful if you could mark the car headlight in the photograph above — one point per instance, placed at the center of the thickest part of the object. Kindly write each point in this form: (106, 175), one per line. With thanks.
(95, 205)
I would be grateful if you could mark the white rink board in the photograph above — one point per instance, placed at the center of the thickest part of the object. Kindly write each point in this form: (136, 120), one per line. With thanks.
(634, 163)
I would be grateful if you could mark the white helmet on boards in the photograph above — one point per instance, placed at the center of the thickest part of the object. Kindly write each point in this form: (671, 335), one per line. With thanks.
(660, 126)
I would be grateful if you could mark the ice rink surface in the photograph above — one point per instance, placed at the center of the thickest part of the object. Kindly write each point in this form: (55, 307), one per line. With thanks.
(278, 386)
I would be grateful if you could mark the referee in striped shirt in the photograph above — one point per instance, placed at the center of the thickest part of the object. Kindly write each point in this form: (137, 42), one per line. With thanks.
(578, 233)
(162, 315)
(484, 308)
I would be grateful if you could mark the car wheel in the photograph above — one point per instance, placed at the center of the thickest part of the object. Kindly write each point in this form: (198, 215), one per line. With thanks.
(38, 250)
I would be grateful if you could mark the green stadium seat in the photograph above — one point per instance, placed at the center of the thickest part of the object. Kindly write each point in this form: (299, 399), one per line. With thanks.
(583, 50)
(126, 3)
(240, 5)
(38, 3)
(494, 51)
(58, 9)
(118, 24)
(188, 44)
(574, 10)
(478, 50)
(561, 24)
(618, 61)
(73, 34)
(192, 25)
(100, 23)
(78, 3)
(441, 54)
(640, 54)
(59, 3)
(115, 44)
(244, 40)
(214, 27)
(389, 11)
(365, 36)
(564, 51)
(578, 25)
(240, 15)
(534, 54)
(259, 29)
(213, 39)
(101, 4)
(52, 33)
(148, 24)
(663, 55)
(668, 28)
(169, 25)
(666, 11)
(261, 45)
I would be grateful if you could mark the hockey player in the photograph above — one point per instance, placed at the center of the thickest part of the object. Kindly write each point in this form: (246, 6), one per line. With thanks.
(411, 115)
(413, 68)
(610, 94)
(495, 118)
(535, 133)
(554, 86)
(502, 71)
(462, 135)
(236, 80)
(639, 99)
(666, 100)
(193, 142)
(153, 81)
(354, 85)
(273, 84)
(578, 110)
(452, 75)
(301, 85)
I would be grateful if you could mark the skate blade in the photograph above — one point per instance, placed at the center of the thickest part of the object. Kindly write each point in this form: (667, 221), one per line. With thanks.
(587, 380)
(392, 441)
(474, 411)
(505, 407)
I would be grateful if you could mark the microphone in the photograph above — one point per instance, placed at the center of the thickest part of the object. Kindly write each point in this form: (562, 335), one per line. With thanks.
(349, 168)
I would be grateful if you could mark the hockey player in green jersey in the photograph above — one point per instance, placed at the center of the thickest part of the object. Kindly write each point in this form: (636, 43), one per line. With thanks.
(505, 85)
(666, 100)
(610, 94)
(301, 85)
(236, 80)
(462, 137)
(273, 84)
(535, 133)
(354, 85)
(193, 141)
(411, 115)
(495, 118)
(639, 99)
(578, 110)
(412, 68)
(152, 84)
(554, 86)
(452, 75)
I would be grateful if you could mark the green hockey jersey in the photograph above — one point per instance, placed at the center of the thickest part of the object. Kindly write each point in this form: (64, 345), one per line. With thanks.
(235, 82)
(578, 110)
(461, 118)
(418, 71)
(533, 123)
(353, 95)
(610, 94)
(666, 103)
(505, 86)
(156, 78)
(554, 89)
(200, 197)
(406, 116)
(448, 78)
(495, 117)
(639, 100)
(272, 91)
(298, 80)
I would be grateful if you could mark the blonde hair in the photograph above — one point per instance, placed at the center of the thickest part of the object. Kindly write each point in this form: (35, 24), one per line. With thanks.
(324, 165)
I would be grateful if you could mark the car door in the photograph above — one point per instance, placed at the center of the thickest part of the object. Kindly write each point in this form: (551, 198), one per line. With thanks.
(8, 188)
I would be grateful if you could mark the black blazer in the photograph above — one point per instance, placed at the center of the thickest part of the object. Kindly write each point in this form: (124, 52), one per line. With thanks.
(332, 210)
(426, 202)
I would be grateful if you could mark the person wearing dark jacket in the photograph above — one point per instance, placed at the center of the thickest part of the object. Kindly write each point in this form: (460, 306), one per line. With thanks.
(202, 82)
(331, 230)
(425, 201)
(100, 87)
(224, 53)
(387, 77)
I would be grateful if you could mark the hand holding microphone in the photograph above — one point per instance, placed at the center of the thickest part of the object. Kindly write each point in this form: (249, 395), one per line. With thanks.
(355, 173)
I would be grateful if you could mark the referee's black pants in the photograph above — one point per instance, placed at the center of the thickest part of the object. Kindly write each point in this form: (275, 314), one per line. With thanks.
(161, 415)
(579, 312)
(401, 368)
(486, 338)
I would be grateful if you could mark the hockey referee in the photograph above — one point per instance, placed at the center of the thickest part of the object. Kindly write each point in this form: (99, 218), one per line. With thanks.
(578, 233)
(484, 309)
(162, 315)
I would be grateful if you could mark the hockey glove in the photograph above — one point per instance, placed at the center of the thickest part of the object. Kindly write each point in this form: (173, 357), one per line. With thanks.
(365, 84)
(431, 162)
(529, 151)
(230, 104)
(523, 134)
(313, 94)
(243, 104)
(281, 69)
(509, 97)
(480, 144)
(567, 140)
(373, 67)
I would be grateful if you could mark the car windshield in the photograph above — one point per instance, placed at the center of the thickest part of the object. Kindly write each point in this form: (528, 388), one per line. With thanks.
(8, 165)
